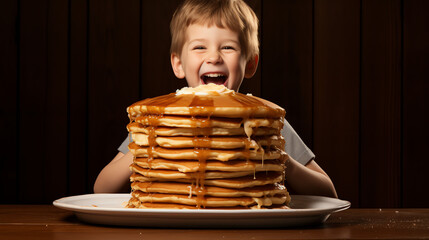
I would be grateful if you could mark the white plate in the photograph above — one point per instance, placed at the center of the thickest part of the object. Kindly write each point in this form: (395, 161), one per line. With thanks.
(109, 209)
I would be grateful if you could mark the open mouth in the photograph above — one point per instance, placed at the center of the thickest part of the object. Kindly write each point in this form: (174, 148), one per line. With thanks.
(216, 78)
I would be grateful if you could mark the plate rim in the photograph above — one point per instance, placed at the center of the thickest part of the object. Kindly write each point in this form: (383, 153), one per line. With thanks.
(64, 203)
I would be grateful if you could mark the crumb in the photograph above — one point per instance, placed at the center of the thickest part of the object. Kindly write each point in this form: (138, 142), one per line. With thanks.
(94, 205)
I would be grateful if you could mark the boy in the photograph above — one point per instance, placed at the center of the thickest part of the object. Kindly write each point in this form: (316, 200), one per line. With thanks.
(216, 41)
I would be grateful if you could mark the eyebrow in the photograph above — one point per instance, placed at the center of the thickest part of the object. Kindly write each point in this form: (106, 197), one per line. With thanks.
(205, 40)
(197, 40)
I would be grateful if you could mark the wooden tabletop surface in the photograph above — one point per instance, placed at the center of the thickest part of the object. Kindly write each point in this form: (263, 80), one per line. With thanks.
(49, 222)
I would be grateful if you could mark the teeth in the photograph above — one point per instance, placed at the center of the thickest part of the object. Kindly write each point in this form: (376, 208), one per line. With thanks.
(214, 75)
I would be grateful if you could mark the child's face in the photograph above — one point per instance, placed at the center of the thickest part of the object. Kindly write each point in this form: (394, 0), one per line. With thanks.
(211, 55)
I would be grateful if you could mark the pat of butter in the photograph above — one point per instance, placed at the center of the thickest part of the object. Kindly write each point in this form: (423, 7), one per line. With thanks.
(207, 89)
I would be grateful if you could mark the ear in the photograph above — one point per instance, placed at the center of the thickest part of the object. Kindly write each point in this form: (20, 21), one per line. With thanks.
(177, 66)
(251, 67)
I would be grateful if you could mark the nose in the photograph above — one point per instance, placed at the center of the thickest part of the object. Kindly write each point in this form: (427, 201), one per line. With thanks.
(213, 57)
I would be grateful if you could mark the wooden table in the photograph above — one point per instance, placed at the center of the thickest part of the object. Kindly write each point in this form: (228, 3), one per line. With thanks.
(49, 222)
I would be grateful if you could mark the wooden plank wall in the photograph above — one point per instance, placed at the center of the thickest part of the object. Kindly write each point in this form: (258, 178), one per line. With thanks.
(352, 76)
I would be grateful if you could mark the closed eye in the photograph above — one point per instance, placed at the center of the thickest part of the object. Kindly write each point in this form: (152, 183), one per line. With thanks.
(228, 48)
(198, 48)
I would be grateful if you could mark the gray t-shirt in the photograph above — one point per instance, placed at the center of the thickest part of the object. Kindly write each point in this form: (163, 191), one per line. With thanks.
(295, 147)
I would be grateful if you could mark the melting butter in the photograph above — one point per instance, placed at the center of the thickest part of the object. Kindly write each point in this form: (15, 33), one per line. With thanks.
(207, 89)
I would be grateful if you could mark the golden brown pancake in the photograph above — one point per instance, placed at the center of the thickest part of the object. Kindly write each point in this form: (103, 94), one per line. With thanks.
(168, 174)
(142, 139)
(135, 127)
(210, 201)
(222, 103)
(214, 154)
(211, 165)
(135, 203)
(257, 179)
(205, 122)
(192, 189)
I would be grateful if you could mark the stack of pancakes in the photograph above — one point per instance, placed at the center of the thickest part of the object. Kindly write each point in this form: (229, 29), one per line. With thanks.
(207, 147)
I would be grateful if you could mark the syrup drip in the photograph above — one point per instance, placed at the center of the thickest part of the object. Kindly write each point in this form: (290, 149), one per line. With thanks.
(202, 154)
(152, 144)
(201, 106)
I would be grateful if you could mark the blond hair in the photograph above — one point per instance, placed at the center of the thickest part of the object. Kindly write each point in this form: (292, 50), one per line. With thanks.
(233, 14)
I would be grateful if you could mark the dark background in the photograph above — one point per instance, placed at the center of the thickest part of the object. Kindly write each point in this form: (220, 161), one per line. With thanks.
(352, 76)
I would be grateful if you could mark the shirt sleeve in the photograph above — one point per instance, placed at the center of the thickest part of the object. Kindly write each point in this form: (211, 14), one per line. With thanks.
(295, 147)
(124, 146)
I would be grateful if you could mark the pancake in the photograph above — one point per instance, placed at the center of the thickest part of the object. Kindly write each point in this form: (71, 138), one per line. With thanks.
(142, 139)
(188, 122)
(206, 100)
(216, 154)
(135, 203)
(211, 165)
(167, 174)
(257, 179)
(210, 201)
(207, 147)
(207, 122)
(191, 189)
(135, 127)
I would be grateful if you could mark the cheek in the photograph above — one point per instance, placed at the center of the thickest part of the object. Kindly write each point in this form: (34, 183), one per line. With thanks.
(238, 67)
(193, 64)
(192, 70)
